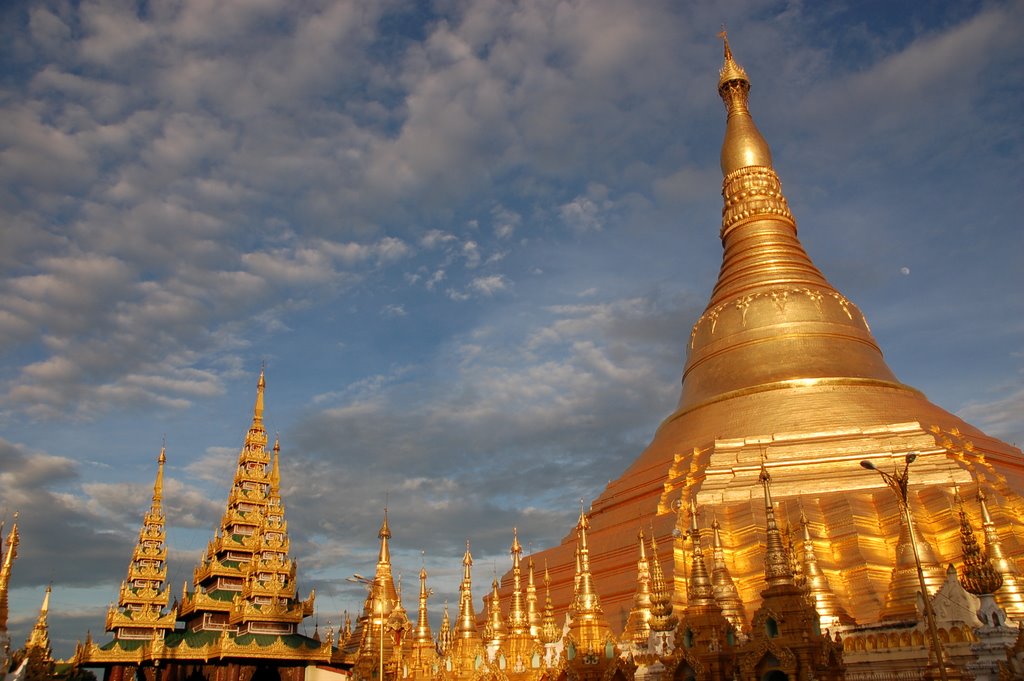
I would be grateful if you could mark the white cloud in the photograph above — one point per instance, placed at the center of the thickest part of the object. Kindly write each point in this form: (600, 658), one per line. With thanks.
(490, 285)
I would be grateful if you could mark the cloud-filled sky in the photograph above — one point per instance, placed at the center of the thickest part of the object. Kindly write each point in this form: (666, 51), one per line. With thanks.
(467, 238)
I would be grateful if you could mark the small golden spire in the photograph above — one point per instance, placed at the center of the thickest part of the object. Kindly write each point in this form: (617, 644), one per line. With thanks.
(445, 637)
(518, 622)
(261, 385)
(585, 601)
(5, 572)
(532, 610)
(423, 633)
(638, 624)
(549, 628)
(831, 612)
(977, 575)
(661, 598)
(275, 470)
(465, 628)
(39, 638)
(700, 591)
(158, 485)
(777, 568)
(726, 593)
(1011, 596)
(384, 534)
(743, 146)
(495, 632)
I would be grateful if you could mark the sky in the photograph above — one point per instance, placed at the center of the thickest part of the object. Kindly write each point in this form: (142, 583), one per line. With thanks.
(468, 240)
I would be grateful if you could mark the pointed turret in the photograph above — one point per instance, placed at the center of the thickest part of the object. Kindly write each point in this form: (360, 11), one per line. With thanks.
(638, 625)
(549, 627)
(494, 631)
(533, 616)
(380, 602)
(588, 628)
(901, 600)
(831, 612)
(39, 638)
(777, 570)
(726, 593)
(144, 595)
(445, 637)
(246, 566)
(468, 644)
(1010, 597)
(5, 574)
(661, 596)
(423, 633)
(518, 622)
(700, 592)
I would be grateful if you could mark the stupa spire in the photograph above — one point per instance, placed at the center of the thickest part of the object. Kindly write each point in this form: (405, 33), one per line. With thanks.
(518, 622)
(661, 597)
(588, 627)
(638, 626)
(830, 611)
(700, 590)
(145, 593)
(39, 637)
(5, 573)
(465, 627)
(549, 628)
(777, 568)
(744, 146)
(726, 593)
(1011, 596)
(423, 633)
(495, 632)
(533, 616)
(445, 637)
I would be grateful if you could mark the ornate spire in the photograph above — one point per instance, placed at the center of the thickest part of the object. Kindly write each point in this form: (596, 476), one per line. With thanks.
(661, 598)
(777, 569)
(445, 637)
(465, 628)
(384, 534)
(39, 638)
(532, 605)
(495, 632)
(588, 627)
(744, 146)
(423, 633)
(638, 625)
(700, 591)
(977, 575)
(901, 599)
(144, 594)
(382, 600)
(5, 573)
(549, 628)
(1011, 596)
(830, 611)
(726, 593)
(518, 621)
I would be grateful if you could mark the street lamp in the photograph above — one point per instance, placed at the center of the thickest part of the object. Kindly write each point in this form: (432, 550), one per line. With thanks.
(898, 484)
(369, 584)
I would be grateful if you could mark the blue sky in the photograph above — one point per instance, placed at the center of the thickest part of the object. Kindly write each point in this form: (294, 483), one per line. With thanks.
(467, 238)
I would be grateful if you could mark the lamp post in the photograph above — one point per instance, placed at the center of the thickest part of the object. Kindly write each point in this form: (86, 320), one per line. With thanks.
(369, 584)
(897, 482)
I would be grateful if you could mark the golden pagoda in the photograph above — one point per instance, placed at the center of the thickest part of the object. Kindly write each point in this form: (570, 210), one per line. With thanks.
(241, 618)
(422, 661)
(141, 610)
(467, 657)
(638, 625)
(520, 655)
(782, 368)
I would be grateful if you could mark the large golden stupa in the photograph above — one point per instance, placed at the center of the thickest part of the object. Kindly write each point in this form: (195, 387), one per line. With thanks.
(782, 370)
